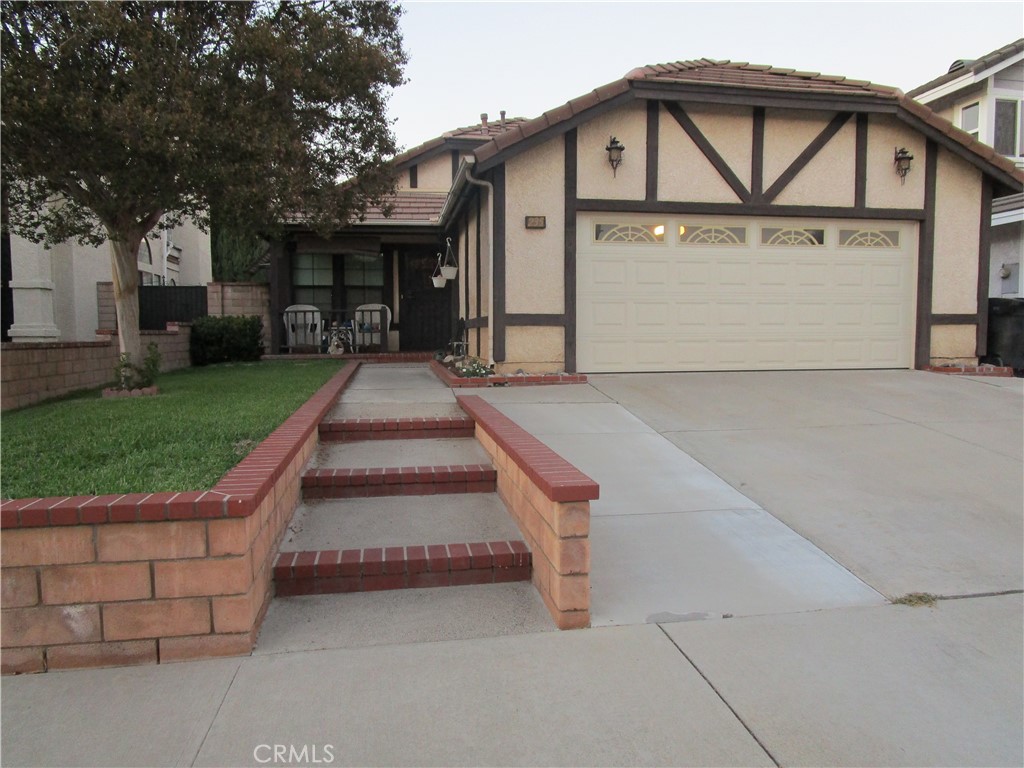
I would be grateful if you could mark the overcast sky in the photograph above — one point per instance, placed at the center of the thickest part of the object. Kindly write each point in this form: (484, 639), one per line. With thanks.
(528, 57)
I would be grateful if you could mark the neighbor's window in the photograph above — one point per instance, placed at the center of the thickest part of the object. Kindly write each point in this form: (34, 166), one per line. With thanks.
(364, 279)
(313, 279)
(629, 233)
(1006, 127)
(970, 118)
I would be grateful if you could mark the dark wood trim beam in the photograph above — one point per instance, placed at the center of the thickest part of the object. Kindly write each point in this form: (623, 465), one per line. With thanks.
(479, 224)
(954, 319)
(757, 157)
(414, 176)
(464, 272)
(926, 260)
(984, 263)
(498, 257)
(455, 163)
(559, 128)
(741, 209)
(569, 246)
(768, 99)
(860, 173)
(807, 155)
(653, 116)
(522, 318)
(708, 150)
(477, 322)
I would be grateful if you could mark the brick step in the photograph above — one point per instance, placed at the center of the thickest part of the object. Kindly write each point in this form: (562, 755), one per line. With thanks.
(352, 483)
(321, 572)
(352, 430)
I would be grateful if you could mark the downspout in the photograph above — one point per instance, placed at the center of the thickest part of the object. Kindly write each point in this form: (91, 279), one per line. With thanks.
(470, 162)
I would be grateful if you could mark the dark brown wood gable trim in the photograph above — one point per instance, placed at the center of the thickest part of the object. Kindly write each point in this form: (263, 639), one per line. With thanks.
(807, 155)
(455, 163)
(280, 288)
(477, 322)
(954, 319)
(860, 174)
(757, 157)
(653, 115)
(708, 150)
(558, 128)
(771, 99)
(479, 214)
(414, 177)
(751, 209)
(498, 257)
(522, 318)
(984, 259)
(926, 260)
(569, 275)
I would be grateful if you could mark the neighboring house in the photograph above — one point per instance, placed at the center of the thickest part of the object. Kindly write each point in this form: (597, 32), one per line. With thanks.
(756, 222)
(983, 97)
(53, 290)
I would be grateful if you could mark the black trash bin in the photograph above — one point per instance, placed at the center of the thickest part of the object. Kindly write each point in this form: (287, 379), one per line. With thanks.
(1006, 334)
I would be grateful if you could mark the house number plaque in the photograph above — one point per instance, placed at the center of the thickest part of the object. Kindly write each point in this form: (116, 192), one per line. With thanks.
(536, 222)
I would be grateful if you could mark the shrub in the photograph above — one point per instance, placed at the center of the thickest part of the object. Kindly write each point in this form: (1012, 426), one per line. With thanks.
(226, 339)
(130, 376)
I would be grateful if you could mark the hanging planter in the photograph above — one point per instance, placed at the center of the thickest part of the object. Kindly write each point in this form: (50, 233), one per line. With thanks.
(438, 277)
(450, 267)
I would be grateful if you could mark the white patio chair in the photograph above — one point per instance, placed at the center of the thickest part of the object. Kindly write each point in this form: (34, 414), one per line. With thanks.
(302, 326)
(372, 323)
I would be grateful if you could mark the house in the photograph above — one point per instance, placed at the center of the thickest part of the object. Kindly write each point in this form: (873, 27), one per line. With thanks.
(983, 97)
(50, 294)
(698, 215)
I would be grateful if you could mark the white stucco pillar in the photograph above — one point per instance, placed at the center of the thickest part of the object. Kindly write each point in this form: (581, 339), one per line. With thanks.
(32, 292)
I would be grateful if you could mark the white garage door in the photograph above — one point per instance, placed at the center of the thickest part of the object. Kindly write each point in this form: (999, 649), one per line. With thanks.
(701, 293)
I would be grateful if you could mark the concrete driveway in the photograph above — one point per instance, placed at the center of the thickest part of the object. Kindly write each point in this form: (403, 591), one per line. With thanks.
(911, 480)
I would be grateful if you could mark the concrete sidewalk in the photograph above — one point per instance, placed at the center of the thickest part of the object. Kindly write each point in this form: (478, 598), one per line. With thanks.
(902, 482)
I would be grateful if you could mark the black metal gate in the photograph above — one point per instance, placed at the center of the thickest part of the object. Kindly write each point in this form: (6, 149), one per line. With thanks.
(161, 304)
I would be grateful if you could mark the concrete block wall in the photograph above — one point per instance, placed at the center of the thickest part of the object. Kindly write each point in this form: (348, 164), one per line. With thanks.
(151, 578)
(550, 501)
(30, 373)
(241, 299)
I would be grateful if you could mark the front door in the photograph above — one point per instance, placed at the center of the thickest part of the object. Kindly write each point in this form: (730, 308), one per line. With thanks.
(425, 311)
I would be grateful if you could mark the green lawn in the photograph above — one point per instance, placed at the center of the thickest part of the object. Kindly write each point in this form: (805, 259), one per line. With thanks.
(203, 422)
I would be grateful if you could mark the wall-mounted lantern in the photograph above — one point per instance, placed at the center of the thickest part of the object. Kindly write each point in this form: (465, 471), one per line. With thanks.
(614, 149)
(902, 160)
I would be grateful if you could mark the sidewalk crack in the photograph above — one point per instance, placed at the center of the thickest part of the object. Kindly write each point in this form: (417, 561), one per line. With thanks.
(722, 698)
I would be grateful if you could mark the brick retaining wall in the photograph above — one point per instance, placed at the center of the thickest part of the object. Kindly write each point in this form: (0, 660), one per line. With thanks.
(30, 373)
(550, 501)
(150, 578)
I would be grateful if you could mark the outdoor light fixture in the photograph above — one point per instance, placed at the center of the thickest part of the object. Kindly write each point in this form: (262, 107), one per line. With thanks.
(902, 160)
(614, 150)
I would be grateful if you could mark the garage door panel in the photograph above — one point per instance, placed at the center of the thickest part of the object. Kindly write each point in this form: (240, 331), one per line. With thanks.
(711, 303)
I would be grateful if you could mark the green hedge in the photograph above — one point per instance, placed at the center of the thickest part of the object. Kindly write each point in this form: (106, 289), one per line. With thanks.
(226, 339)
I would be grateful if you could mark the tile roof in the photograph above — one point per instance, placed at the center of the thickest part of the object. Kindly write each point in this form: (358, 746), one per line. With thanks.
(480, 132)
(745, 75)
(712, 73)
(971, 67)
(408, 207)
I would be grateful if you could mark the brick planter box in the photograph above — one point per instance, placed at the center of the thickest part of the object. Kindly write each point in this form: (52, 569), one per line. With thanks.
(504, 380)
(150, 578)
(550, 501)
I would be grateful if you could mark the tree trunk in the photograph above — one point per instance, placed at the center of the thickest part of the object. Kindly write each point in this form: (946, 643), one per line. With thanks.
(124, 255)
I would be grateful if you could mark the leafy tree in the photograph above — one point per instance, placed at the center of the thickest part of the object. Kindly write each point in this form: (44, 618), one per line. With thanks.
(121, 117)
(236, 254)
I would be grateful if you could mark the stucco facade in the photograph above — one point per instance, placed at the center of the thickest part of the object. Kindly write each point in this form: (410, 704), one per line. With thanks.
(804, 160)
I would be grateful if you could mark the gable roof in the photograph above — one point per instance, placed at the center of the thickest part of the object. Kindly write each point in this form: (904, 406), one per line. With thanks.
(466, 138)
(963, 68)
(728, 82)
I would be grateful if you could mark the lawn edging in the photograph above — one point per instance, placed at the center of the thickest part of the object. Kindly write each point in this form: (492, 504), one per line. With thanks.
(505, 379)
(549, 499)
(151, 578)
